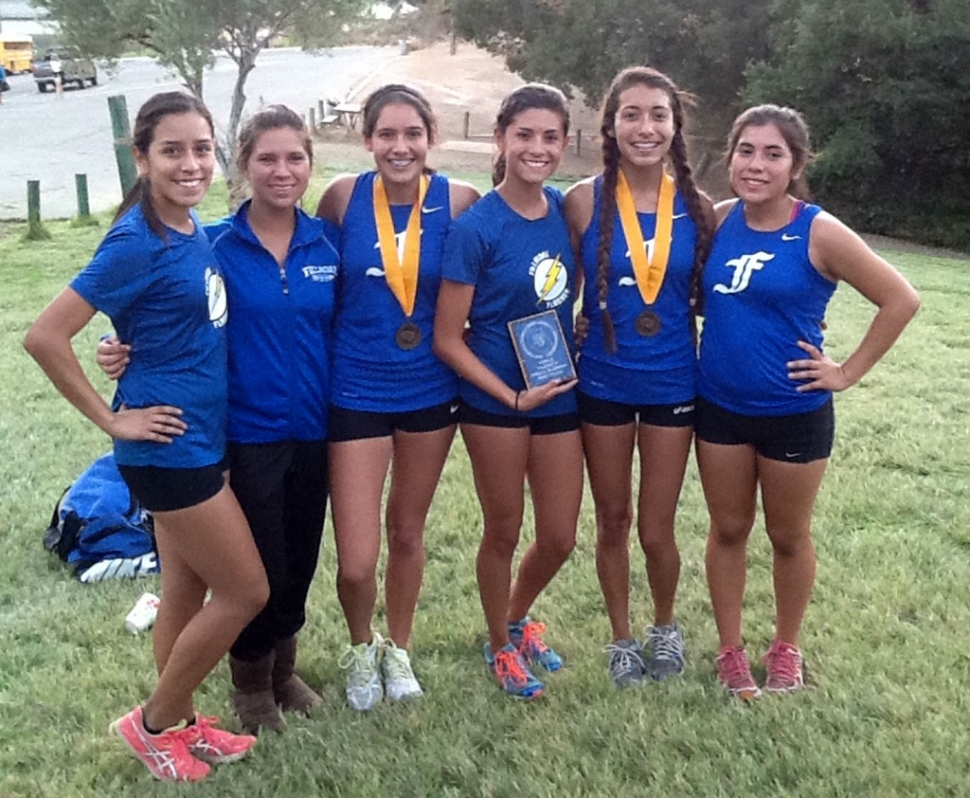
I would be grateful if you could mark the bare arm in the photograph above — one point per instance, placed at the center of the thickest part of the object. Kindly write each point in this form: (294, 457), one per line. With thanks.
(336, 196)
(49, 342)
(462, 195)
(454, 304)
(840, 254)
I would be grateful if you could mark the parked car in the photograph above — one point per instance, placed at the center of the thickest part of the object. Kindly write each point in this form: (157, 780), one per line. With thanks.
(68, 65)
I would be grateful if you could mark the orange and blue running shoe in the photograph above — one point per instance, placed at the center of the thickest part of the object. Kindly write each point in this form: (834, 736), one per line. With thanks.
(166, 754)
(511, 672)
(216, 746)
(526, 636)
(734, 673)
(785, 672)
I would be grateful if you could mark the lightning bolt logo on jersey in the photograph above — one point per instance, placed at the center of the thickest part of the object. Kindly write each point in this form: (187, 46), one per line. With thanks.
(550, 280)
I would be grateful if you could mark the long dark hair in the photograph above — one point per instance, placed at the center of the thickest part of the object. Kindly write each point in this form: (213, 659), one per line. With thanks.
(646, 76)
(525, 98)
(155, 109)
(793, 128)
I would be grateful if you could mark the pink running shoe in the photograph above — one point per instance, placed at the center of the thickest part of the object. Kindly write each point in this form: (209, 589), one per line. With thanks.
(166, 755)
(784, 663)
(734, 673)
(216, 746)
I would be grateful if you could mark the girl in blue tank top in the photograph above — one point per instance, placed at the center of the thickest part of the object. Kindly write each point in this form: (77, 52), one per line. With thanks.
(507, 258)
(393, 399)
(637, 370)
(156, 278)
(765, 415)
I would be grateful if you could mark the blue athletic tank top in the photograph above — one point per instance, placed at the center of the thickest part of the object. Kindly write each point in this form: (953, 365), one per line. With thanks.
(370, 371)
(761, 296)
(519, 267)
(644, 370)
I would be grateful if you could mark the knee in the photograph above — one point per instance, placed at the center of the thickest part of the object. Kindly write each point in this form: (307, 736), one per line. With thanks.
(791, 546)
(731, 531)
(659, 546)
(251, 601)
(405, 539)
(558, 547)
(356, 576)
(613, 525)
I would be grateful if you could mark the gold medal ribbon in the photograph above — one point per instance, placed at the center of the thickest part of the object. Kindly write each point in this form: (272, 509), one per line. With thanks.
(402, 278)
(649, 273)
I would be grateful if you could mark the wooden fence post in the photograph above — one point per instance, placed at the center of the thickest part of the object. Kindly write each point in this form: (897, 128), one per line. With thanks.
(121, 129)
(35, 227)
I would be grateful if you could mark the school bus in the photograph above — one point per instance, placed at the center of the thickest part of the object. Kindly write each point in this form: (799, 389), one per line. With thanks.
(17, 53)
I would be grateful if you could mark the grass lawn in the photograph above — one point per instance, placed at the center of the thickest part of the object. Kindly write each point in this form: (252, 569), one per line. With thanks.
(885, 638)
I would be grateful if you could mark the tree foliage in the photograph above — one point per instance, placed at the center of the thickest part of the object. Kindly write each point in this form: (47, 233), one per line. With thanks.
(885, 84)
(186, 35)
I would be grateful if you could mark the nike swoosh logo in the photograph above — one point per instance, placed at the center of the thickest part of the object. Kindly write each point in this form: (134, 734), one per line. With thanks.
(626, 281)
(453, 409)
(373, 271)
(432, 210)
(678, 216)
(786, 237)
(790, 455)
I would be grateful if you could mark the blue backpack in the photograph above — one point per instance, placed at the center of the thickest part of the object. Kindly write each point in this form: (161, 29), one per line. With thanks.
(100, 529)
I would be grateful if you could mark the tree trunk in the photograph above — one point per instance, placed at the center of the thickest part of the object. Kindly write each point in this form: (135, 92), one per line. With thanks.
(226, 151)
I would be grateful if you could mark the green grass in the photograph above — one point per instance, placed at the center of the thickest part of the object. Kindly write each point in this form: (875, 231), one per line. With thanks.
(885, 637)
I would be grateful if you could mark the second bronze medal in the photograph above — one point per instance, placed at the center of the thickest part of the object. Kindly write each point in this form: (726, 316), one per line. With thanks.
(408, 335)
(648, 324)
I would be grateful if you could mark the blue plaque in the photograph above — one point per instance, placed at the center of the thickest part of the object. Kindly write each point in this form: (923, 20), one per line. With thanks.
(541, 349)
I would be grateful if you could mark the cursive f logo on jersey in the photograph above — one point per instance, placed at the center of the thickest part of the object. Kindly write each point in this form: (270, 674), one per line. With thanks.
(743, 267)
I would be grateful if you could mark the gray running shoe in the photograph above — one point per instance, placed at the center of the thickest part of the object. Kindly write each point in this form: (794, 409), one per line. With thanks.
(627, 667)
(667, 654)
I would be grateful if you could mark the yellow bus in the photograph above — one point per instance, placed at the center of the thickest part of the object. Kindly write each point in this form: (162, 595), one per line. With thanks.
(17, 53)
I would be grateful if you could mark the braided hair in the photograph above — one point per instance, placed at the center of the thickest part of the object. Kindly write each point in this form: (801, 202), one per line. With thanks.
(683, 176)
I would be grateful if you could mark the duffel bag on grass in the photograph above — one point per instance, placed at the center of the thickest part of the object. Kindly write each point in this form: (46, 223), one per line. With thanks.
(100, 529)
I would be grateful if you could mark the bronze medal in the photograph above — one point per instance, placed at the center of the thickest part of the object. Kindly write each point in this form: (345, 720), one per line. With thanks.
(648, 324)
(408, 336)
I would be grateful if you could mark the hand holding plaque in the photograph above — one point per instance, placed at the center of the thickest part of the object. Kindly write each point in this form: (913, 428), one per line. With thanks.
(541, 349)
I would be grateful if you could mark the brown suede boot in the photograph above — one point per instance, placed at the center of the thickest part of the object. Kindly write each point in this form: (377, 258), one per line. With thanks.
(253, 699)
(290, 691)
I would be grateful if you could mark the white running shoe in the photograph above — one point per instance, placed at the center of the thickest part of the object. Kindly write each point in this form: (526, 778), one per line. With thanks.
(362, 663)
(399, 681)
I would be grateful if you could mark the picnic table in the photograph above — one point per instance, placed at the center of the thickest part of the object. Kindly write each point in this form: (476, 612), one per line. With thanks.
(347, 114)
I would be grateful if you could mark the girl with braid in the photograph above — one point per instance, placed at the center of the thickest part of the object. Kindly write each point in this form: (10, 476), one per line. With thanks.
(641, 231)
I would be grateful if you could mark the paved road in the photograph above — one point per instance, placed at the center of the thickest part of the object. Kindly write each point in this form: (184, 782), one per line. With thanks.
(50, 137)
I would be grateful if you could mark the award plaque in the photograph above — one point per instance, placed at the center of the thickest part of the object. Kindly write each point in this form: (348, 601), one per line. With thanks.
(648, 323)
(541, 349)
(408, 336)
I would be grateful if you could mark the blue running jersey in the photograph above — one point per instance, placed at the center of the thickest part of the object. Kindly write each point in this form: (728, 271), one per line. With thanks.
(167, 300)
(370, 371)
(279, 330)
(645, 370)
(761, 296)
(519, 267)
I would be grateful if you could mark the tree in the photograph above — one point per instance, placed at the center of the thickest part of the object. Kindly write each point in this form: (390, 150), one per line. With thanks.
(885, 87)
(186, 35)
(704, 45)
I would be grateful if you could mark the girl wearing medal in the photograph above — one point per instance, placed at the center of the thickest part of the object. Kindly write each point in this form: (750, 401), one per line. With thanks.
(394, 404)
(280, 267)
(508, 258)
(765, 415)
(642, 234)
